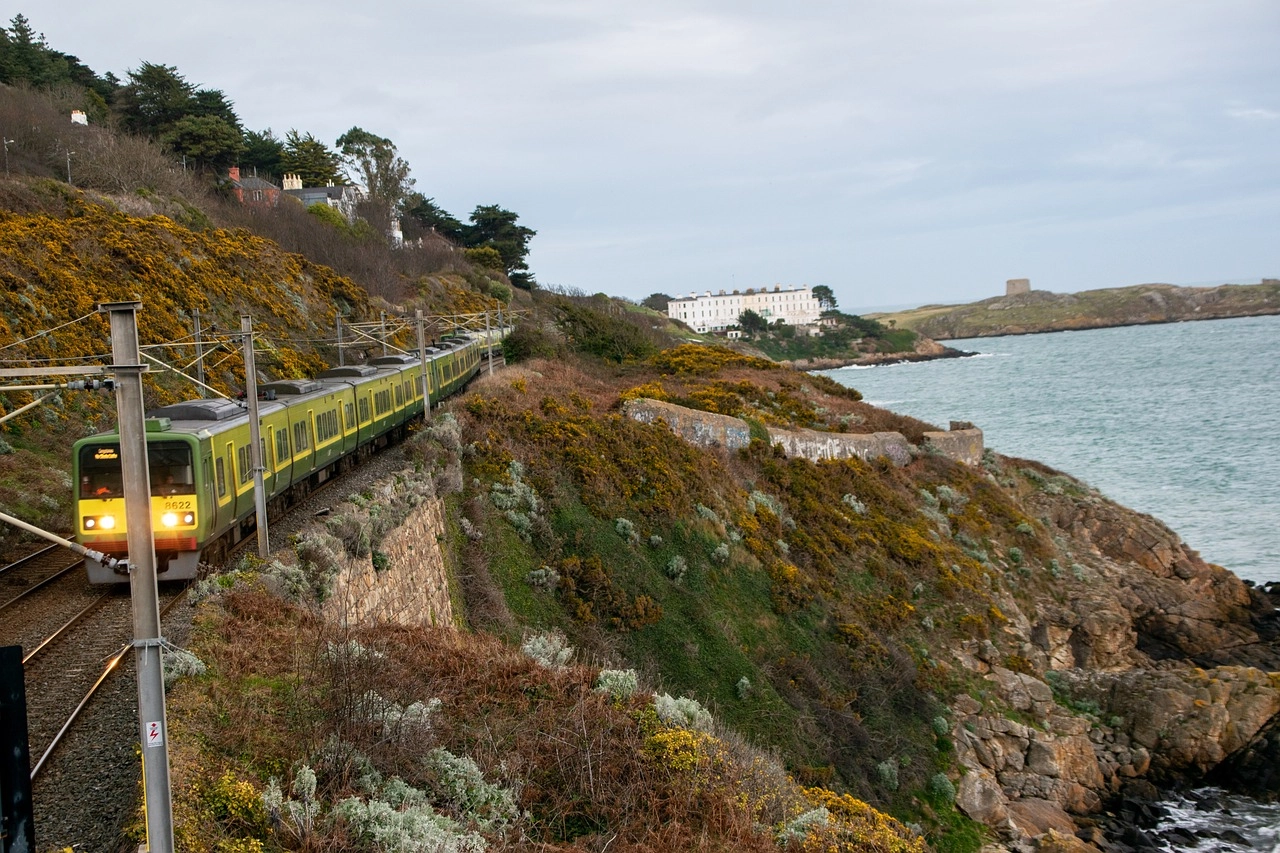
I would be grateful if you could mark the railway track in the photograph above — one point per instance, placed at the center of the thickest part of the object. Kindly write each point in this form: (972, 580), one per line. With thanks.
(83, 723)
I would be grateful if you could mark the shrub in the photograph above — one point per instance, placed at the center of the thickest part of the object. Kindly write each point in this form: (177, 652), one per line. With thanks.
(887, 774)
(721, 553)
(458, 781)
(683, 712)
(797, 830)
(180, 663)
(854, 504)
(377, 825)
(529, 340)
(743, 687)
(677, 567)
(941, 789)
(618, 683)
(544, 577)
(549, 650)
(626, 530)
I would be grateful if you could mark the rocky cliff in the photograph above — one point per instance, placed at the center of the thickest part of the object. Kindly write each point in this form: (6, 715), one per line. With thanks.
(1138, 665)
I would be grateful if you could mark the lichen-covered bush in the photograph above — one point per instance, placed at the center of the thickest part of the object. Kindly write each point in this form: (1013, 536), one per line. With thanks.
(617, 683)
(682, 712)
(549, 650)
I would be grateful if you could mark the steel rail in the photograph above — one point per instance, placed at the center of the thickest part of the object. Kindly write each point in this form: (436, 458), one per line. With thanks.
(112, 663)
(53, 577)
(72, 621)
(19, 563)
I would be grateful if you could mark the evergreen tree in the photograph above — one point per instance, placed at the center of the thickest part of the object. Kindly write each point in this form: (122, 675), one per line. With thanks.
(310, 159)
(25, 56)
(263, 152)
(493, 226)
(155, 97)
(207, 142)
(426, 212)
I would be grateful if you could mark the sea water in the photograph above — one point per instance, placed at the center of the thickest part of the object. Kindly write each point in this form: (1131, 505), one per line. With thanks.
(1180, 420)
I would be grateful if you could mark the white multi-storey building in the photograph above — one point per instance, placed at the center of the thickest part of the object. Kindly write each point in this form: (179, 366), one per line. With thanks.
(712, 312)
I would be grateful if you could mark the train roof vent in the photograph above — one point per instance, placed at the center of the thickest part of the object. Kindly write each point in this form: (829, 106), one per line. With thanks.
(392, 360)
(291, 387)
(349, 370)
(157, 424)
(198, 410)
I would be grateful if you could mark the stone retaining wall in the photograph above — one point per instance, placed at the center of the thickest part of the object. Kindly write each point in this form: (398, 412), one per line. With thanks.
(703, 429)
(963, 443)
(412, 590)
(813, 445)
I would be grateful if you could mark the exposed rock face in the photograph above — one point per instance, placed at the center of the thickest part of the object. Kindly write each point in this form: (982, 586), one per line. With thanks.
(1141, 664)
(1176, 605)
(1187, 719)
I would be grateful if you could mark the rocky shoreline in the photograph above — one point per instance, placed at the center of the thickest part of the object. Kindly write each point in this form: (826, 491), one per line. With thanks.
(926, 350)
(1154, 672)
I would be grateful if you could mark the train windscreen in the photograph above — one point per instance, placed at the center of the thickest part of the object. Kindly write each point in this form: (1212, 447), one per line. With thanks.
(169, 462)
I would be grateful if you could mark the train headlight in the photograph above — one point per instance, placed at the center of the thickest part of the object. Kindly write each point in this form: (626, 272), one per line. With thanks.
(90, 522)
(169, 519)
(189, 518)
(107, 522)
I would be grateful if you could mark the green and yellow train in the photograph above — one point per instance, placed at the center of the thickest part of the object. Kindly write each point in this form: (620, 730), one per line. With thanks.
(198, 453)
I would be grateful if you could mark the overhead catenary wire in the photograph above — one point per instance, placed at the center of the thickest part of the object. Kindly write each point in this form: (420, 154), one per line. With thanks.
(46, 332)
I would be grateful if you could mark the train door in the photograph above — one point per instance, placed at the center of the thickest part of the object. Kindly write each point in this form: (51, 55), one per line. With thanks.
(223, 486)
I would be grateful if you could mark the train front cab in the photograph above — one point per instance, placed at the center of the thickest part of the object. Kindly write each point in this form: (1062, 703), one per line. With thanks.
(98, 507)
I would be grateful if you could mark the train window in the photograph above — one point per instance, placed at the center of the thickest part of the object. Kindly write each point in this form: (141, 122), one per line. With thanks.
(244, 463)
(399, 396)
(262, 448)
(349, 419)
(282, 444)
(364, 409)
(301, 436)
(100, 475)
(170, 465)
(326, 425)
(222, 477)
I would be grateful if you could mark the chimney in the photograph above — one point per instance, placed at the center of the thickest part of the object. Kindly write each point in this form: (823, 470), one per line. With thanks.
(233, 174)
(79, 117)
(291, 181)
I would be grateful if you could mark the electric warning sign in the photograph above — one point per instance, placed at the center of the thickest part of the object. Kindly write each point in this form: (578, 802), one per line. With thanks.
(155, 734)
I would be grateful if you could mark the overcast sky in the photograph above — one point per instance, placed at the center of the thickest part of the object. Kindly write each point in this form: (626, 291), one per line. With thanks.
(900, 151)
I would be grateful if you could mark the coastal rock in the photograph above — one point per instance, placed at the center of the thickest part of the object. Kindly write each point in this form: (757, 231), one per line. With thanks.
(1158, 597)
(979, 796)
(1185, 721)
(1036, 817)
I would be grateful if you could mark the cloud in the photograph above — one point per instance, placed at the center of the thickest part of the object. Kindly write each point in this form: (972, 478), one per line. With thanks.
(1252, 113)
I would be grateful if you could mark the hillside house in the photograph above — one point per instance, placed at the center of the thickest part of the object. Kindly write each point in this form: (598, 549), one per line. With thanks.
(252, 189)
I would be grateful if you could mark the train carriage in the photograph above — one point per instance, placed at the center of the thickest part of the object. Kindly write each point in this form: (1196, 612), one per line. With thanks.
(200, 459)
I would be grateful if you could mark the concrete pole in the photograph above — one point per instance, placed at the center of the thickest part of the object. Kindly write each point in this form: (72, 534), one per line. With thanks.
(384, 332)
(153, 726)
(488, 342)
(341, 355)
(426, 377)
(200, 357)
(255, 436)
